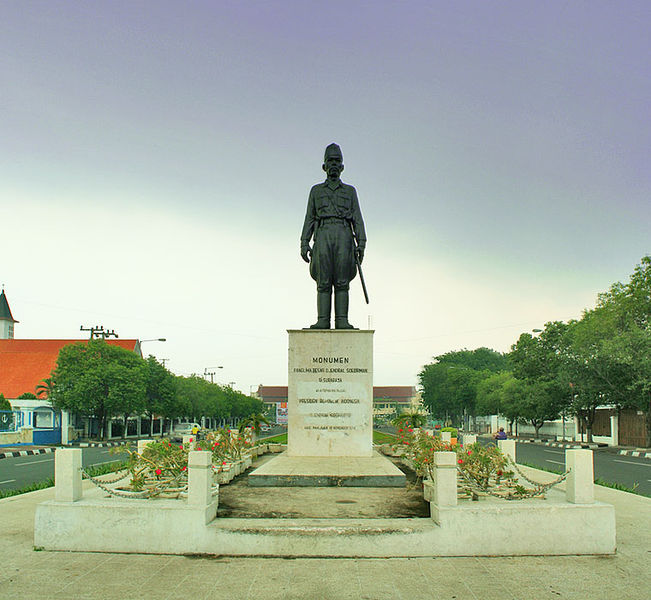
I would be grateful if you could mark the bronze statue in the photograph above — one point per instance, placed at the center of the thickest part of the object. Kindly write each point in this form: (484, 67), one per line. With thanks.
(334, 220)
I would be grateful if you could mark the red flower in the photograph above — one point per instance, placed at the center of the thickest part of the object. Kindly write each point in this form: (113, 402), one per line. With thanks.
(183, 468)
(223, 462)
(499, 473)
(410, 429)
(469, 452)
(399, 429)
(181, 446)
(460, 461)
(158, 471)
(191, 439)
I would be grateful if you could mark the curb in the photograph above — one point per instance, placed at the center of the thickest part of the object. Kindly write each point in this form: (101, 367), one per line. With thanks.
(15, 453)
(635, 453)
(638, 453)
(562, 444)
(99, 444)
(48, 450)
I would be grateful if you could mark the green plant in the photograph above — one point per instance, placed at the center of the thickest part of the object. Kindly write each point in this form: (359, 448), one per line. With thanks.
(452, 430)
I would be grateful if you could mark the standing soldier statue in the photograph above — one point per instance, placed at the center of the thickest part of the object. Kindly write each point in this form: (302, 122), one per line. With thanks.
(335, 222)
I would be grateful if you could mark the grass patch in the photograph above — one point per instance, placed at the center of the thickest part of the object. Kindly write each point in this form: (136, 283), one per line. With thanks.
(94, 471)
(379, 437)
(276, 439)
(598, 481)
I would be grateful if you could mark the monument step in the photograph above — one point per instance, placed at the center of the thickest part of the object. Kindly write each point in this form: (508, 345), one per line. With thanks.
(319, 471)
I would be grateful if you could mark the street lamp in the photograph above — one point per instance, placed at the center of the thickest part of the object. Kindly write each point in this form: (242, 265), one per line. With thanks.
(206, 372)
(141, 342)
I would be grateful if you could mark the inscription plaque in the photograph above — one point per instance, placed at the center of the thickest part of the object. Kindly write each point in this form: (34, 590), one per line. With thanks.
(330, 393)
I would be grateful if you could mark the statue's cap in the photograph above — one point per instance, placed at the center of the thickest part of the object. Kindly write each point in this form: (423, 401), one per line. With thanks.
(333, 150)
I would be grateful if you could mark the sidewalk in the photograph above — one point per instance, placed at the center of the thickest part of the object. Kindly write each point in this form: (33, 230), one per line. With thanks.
(98, 576)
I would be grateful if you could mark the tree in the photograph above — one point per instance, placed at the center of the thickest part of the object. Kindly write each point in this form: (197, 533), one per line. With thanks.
(410, 419)
(160, 391)
(254, 421)
(100, 380)
(45, 389)
(490, 393)
(543, 364)
(4, 403)
(449, 384)
(27, 396)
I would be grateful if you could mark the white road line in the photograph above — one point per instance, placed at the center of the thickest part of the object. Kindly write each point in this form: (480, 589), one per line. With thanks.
(33, 462)
(630, 462)
(105, 462)
(555, 461)
(7, 481)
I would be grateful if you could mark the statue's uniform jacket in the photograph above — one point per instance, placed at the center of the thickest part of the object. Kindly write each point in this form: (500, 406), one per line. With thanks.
(332, 209)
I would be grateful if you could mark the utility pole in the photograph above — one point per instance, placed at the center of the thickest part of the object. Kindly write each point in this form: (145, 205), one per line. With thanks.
(99, 332)
(206, 372)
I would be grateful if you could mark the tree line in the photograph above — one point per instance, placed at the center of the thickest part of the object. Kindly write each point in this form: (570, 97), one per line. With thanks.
(97, 379)
(567, 369)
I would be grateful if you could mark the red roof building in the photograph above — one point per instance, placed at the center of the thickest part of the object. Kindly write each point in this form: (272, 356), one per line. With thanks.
(25, 363)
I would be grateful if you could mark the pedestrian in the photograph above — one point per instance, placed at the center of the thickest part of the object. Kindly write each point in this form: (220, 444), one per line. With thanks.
(500, 435)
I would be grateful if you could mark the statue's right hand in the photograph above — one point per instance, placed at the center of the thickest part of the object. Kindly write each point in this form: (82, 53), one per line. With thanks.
(306, 253)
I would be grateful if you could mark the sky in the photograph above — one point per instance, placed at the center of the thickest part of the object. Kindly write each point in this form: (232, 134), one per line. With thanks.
(157, 156)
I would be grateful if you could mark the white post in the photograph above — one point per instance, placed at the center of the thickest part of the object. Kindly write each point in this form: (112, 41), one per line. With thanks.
(614, 430)
(67, 474)
(65, 423)
(446, 436)
(445, 479)
(579, 486)
(142, 444)
(507, 447)
(200, 478)
(469, 438)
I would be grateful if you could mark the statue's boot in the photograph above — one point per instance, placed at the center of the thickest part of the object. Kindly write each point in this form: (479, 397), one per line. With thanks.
(341, 310)
(324, 308)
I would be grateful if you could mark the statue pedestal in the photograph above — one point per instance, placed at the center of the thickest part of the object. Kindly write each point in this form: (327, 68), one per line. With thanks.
(330, 393)
(330, 415)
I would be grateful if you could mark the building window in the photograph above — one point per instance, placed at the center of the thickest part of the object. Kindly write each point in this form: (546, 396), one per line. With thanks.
(43, 418)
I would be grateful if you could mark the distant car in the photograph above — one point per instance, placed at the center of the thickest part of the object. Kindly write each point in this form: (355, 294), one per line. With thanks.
(265, 427)
(181, 429)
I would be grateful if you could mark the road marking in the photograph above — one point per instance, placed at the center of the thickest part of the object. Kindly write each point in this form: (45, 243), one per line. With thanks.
(7, 481)
(104, 462)
(33, 462)
(555, 461)
(630, 462)
(554, 451)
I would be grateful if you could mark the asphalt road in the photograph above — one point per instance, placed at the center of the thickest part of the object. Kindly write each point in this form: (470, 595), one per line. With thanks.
(21, 471)
(608, 466)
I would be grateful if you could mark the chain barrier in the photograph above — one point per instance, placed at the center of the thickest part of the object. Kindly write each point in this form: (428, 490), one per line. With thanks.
(164, 488)
(538, 488)
(545, 486)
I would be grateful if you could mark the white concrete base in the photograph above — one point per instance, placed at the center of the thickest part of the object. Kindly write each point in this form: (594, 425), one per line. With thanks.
(101, 524)
(490, 528)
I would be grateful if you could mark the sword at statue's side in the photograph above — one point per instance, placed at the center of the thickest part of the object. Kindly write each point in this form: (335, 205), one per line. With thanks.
(361, 277)
(359, 265)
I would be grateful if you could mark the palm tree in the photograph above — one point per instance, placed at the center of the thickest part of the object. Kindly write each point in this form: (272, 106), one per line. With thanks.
(45, 389)
(410, 419)
(254, 421)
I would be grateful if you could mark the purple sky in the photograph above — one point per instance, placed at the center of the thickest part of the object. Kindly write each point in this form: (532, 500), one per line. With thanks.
(157, 157)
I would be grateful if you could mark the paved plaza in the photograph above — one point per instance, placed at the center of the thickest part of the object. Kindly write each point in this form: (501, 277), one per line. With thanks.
(44, 575)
